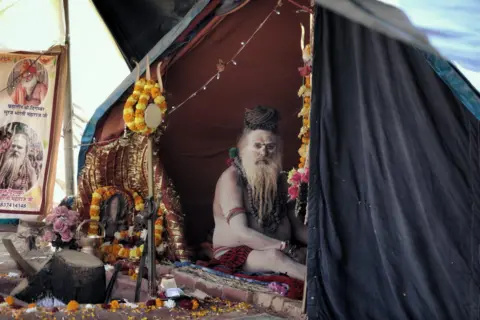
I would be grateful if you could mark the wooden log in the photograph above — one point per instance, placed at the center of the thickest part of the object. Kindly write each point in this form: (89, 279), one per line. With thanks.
(78, 276)
(68, 275)
(35, 287)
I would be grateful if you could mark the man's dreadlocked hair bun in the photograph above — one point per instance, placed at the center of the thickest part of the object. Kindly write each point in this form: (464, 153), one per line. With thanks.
(262, 118)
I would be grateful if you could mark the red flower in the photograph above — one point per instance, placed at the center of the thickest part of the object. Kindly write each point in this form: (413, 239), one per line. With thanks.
(305, 71)
(162, 295)
(106, 306)
(186, 304)
(229, 162)
(150, 303)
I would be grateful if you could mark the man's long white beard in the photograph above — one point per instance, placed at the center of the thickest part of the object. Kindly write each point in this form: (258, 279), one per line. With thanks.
(10, 168)
(262, 178)
(30, 85)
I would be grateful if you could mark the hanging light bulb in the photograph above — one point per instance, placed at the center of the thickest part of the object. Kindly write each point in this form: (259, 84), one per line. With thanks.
(205, 88)
(242, 43)
(234, 62)
(218, 76)
(277, 12)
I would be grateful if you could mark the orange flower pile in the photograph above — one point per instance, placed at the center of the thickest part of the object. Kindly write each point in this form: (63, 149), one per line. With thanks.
(136, 104)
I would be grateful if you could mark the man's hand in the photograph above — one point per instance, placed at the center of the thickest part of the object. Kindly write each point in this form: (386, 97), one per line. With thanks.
(295, 253)
(300, 255)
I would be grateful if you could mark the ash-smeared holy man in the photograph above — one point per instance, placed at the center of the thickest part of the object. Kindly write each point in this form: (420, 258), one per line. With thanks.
(255, 228)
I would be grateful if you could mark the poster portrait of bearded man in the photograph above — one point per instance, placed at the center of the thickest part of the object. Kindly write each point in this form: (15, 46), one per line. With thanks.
(29, 90)
(16, 171)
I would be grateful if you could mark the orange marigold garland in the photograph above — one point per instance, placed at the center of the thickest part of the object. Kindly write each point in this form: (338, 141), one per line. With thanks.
(114, 251)
(145, 91)
(298, 178)
(305, 92)
(103, 194)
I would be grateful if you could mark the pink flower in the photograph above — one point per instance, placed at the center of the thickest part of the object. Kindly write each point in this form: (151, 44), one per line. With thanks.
(279, 288)
(66, 235)
(61, 211)
(305, 71)
(49, 236)
(293, 192)
(305, 176)
(72, 218)
(297, 177)
(60, 226)
(50, 218)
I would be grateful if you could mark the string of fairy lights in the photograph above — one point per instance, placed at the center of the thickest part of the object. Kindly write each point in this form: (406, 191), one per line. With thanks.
(221, 66)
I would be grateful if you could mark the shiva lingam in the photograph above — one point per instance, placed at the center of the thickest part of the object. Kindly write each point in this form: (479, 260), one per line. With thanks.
(91, 243)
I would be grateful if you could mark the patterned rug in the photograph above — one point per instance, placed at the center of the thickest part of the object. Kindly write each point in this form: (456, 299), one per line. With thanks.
(226, 280)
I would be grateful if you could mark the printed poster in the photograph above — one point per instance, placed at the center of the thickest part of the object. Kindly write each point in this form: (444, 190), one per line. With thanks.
(27, 106)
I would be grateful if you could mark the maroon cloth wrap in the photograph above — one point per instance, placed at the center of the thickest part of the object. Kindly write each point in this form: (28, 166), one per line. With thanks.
(232, 261)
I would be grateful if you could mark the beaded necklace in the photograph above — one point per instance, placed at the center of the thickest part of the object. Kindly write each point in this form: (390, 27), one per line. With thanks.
(270, 221)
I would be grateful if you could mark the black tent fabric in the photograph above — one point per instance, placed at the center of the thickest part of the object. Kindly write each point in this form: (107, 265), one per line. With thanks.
(138, 25)
(394, 222)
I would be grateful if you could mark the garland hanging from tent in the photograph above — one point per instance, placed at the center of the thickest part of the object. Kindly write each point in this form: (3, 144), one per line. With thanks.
(145, 92)
(298, 178)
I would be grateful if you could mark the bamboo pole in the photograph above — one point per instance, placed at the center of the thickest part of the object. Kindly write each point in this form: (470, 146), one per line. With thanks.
(152, 283)
(68, 113)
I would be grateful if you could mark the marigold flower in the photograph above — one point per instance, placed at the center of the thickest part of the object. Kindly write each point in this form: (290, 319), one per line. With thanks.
(10, 300)
(195, 304)
(72, 306)
(158, 303)
(155, 92)
(114, 304)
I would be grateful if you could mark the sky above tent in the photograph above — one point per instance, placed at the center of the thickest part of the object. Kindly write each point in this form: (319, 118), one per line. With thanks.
(97, 69)
(451, 27)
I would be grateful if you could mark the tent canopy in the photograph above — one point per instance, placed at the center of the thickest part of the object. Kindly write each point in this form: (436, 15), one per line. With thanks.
(194, 148)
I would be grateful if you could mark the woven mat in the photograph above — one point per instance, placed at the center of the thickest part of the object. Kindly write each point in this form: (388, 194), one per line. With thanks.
(233, 283)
